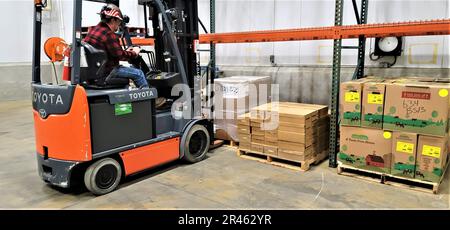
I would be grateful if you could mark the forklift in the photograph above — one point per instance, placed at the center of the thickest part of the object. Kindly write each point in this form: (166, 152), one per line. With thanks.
(98, 133)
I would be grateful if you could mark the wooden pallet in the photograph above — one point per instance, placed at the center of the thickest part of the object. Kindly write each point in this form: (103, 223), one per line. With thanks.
(231, 143)
(274, 160)
(388, 179)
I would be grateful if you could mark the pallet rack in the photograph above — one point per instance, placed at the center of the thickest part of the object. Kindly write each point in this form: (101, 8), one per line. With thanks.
(337, 32)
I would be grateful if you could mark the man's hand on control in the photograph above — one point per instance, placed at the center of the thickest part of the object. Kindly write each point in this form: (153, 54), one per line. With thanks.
(136, 50)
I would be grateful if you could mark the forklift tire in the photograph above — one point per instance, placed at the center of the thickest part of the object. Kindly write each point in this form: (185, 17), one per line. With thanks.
(103, 176)
(197, 144)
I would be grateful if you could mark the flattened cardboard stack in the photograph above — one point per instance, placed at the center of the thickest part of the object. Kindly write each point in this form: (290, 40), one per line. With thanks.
(303, 131)
(290, 131)
(400, 128)
(244, 131)
(233, 96)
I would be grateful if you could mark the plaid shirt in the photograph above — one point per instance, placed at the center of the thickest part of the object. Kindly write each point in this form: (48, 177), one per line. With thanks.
(102, 37)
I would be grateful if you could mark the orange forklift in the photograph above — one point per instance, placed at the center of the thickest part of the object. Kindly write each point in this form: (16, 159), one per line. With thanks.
(98, 132)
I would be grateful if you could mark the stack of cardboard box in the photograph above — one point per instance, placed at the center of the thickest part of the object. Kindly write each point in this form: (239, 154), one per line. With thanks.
(289, 131)
(244, 131)
(398, 126)
(257, 133)
(235, 96)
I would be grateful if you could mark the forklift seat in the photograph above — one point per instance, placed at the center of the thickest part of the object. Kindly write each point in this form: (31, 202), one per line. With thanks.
(93, 73)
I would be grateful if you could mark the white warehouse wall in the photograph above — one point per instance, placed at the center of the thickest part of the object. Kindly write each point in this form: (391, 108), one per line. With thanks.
(239, 15)
(232, 15)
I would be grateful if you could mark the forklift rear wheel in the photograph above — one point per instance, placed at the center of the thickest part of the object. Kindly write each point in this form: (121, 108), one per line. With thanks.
(197, 144)
(103, 176)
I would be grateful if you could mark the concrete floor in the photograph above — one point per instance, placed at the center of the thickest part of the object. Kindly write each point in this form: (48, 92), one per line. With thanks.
(222, 181)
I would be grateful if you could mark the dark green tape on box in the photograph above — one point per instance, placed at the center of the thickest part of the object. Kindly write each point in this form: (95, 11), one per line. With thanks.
(122, 109)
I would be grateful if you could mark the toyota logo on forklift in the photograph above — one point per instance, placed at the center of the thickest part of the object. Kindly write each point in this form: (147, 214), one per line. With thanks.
(101, 129)
(141, 95)
(50, 98)
(42, 113)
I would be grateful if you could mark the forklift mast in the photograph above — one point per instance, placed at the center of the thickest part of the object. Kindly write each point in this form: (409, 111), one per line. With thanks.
(175, 28)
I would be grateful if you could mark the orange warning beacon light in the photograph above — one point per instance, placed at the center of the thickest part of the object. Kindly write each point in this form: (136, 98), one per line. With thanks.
(57, 50)
(54, 48)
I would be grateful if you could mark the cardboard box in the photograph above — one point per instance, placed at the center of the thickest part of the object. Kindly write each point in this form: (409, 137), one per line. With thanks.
(270, 150)
(323, 120)
(369, 149)
(257, 148)
(321, 109)
(292, 127)
(300, 125)
(419, 107)
(292, 148)
(258, 135)
(373, 103)
(239, 92)
(322, 143)
(271, 143)
(322, 129)
(296, 137)
(350, 102)
(286, 145)
(404, 146)
(258, 141)
(256, 124)
(245, 146)
(287, 112)
(244, 138)
(257, 131)
(244, 119)
(232, 100)
(431, 158)
(244, 129)
(271, 136)
(294, 155)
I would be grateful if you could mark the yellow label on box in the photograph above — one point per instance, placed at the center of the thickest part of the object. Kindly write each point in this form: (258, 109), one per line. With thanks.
(351, 97)
(443, 92)
(375, 99)
(405, 147)
(431, 151)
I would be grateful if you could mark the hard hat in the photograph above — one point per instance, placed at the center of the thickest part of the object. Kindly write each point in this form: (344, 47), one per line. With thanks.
(111, 11)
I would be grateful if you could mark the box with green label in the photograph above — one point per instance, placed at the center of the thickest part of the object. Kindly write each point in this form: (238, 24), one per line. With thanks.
(373, 103)
(369, 149)
(350, 102)
(404, 147)
(431, 158)
(417, 106)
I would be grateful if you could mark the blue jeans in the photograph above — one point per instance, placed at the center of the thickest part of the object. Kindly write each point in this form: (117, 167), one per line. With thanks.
(130, 73)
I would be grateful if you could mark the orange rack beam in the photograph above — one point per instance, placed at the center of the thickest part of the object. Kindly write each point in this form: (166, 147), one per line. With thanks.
(418, 28)
(433, 27)
(143, 41)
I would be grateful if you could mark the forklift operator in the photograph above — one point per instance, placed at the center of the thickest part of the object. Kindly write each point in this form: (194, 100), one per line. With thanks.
(102, 36)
